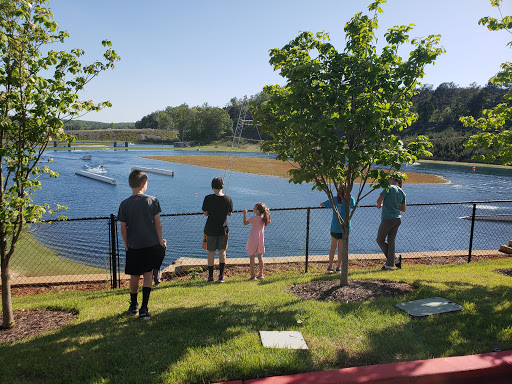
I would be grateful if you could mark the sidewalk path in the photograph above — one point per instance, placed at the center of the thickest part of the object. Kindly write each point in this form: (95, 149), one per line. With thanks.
(495, 368)
(185, 263)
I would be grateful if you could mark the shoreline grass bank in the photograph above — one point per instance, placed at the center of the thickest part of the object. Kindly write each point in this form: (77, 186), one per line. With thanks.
(270, 167)
(469, 164)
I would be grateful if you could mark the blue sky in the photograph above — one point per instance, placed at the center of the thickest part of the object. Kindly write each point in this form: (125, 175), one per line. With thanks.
(205, 51)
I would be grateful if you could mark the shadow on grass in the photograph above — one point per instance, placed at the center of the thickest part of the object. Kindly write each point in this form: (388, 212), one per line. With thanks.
(124, 349)
(220, 341)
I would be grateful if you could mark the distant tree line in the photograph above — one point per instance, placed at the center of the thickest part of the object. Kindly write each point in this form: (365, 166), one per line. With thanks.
(199, 124)
(448, 102)
(438, 112)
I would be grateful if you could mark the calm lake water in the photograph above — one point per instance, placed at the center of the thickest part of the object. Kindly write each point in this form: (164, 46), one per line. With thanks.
(428, 228)
(185, 191)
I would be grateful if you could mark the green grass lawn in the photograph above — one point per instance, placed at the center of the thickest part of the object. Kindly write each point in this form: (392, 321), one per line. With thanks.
(206, 333)
(34, 259)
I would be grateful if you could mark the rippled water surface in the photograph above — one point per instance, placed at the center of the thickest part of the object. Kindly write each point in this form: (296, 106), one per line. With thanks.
(425, 228)
(185, 191)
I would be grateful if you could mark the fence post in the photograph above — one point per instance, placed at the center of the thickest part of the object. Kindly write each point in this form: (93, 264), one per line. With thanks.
(307, 238)
(472, 232)
(113, 251)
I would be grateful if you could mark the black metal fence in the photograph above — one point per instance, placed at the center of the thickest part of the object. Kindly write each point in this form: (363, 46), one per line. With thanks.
(90, 250)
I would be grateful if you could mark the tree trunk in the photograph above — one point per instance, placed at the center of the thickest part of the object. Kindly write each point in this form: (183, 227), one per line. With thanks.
(345, 229)
(7, 313)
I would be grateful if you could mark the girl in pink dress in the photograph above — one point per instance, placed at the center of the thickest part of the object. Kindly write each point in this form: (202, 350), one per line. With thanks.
(256, 242)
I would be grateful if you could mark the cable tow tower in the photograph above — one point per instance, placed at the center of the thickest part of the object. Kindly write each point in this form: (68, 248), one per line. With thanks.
(241, 122)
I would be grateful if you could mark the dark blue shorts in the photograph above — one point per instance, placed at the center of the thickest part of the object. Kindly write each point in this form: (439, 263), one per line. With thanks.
(337, 236)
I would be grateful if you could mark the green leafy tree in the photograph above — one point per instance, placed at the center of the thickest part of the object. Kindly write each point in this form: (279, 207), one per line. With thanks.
(38, 89)
(148, 122)
(495, 134)
(164, 120)
(197, 123)
(336, 113)
(181, 117)
(215, 122)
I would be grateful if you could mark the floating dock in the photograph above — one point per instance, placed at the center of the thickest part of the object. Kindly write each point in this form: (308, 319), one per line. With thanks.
(95, 176)
(167, 172)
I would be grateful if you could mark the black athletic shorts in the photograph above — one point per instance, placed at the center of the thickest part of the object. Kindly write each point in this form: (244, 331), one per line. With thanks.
(143, 260)
(337, 236)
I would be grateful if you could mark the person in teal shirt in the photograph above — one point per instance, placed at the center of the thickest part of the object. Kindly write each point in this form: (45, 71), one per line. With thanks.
(336, 232)
(392, 201)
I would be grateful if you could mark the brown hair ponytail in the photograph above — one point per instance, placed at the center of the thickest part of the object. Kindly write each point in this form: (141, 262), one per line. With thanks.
(341, 194)
(263, 210)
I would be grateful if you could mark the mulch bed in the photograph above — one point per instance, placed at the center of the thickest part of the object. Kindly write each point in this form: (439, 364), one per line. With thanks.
(30, 323)
(506, 272)
(30, 290)
(356, 290)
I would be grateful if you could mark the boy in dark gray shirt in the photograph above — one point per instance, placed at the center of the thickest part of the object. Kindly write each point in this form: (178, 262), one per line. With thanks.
(141, 230)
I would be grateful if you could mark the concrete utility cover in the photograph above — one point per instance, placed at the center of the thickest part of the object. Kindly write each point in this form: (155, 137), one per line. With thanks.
(431, 306)
(283, 339)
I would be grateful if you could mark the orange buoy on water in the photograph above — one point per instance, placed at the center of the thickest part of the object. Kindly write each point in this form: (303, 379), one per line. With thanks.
(474, 169)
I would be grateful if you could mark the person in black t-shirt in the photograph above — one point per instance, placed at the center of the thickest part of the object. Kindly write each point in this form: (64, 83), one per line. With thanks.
(217, 206)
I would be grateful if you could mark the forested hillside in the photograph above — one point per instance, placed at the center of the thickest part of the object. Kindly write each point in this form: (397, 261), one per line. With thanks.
(438, 112)
(200, 124)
